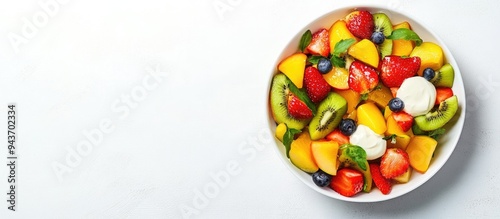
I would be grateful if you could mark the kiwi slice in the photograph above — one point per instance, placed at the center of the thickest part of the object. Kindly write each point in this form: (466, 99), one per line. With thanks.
(327, 118)
(281, 88)
(439, 116)
(383, 24)
(385, 48)
(444, 77)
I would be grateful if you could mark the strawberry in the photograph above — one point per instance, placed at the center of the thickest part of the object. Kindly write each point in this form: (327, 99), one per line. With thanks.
(383, 184)
(404, 120)
(316, 86)
(320, 43)
(298, 109)
(360, 24)
(338, 137)
(362, 77)
(395, 69)
(394, 162)
(443, 93)
(348, 182)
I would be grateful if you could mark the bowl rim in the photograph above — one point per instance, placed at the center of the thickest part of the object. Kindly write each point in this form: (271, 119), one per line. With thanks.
(457, 126)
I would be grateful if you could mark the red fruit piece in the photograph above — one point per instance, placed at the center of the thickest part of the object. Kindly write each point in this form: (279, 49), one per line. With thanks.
(360, 24)
(395, 69)
(298, 109)
(338, 137)
(320, 43)
(362, 77)
(394, 162)
(348, 182)
(383, 184)
(443, 93)
(404, 120)
(316, 86)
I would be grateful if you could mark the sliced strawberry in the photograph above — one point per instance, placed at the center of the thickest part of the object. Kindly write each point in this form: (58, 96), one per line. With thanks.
(394, 162)
(320, 43)
(396, 69)
(383, 184)
(362, 77)
(338, 137)
(298, 109)
(348, 182)
(316, 86)
(443, 93)
(360, 24)
(404, 120)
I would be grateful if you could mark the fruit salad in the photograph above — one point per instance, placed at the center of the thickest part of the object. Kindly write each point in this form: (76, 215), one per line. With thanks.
(361, 104)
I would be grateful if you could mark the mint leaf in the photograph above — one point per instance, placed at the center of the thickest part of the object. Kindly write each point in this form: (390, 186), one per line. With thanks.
(302, 95)
(364, 97)
(314, 59)
(337, 61)
(342, 46)
(288, 138)
(305, 40)
(436, 134)
(405, 34)
(391, 137)
(358, 155)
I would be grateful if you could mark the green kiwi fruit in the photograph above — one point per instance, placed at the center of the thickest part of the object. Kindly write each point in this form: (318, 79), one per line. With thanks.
(439, 116)
(444, 77)
(327, 118)
(383, 24)
(385, 48)
(281, 88)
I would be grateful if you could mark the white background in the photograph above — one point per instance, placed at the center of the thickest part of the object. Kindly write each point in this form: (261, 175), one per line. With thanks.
(206, 110)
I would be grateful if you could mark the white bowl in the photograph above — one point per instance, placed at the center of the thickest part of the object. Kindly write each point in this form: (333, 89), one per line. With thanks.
(447, 143)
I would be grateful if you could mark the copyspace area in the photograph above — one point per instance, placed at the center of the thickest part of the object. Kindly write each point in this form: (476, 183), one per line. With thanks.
(157, 109)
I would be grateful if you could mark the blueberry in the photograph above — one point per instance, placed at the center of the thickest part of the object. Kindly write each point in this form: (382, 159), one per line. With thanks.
(321, 178)
(324, 65)
(347, 126)
(378, 37)
(396, 104)
(429, 74)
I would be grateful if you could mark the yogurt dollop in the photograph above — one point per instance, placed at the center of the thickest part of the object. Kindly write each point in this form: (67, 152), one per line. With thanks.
(418, 95)
(371, 142)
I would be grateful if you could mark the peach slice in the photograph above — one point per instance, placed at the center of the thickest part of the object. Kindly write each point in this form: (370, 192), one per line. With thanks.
(380, 96)
(337, 78)
(369, 115)
(365, 51)
(293, 67)
(420, 151)
(280, 131)
(301, 153)
(352, 98)
(431, 56)
(325, 155)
